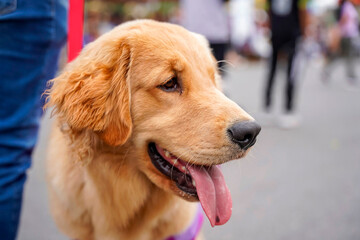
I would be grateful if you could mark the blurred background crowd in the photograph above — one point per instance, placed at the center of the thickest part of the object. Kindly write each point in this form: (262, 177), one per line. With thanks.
(247, 23)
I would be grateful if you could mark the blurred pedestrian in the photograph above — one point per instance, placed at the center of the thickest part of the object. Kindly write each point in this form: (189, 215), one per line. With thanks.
(288, 22)
(31, 36)
(347, 30)
(209, 18)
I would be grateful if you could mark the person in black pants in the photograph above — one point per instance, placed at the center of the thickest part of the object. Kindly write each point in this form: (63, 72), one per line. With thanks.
(289, 47)
(287, 22)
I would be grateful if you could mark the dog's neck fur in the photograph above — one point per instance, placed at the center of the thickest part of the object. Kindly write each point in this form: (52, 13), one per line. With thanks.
(135, 200)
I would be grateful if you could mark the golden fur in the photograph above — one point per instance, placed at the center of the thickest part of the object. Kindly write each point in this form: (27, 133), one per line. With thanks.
(109, 107)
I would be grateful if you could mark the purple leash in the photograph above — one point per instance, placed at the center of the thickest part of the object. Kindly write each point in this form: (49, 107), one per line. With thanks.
(193, 230)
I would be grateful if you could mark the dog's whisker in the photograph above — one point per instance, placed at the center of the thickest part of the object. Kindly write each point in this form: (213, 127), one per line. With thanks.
(224, 69)
(251, 155)
(227, 63)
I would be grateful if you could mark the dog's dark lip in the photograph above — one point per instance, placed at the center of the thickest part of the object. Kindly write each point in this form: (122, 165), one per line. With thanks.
(251, 144)
(182, 180)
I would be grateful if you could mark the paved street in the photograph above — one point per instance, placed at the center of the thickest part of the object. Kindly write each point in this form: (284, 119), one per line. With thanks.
(299, 184)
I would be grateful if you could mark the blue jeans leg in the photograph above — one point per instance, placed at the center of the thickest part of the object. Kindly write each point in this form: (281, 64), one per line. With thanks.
(29, 50)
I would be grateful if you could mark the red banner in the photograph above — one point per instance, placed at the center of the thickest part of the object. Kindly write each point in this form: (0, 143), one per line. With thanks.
(76, 24)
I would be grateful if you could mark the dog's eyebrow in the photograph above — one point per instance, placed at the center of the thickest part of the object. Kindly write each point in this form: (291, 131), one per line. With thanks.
(177, 63)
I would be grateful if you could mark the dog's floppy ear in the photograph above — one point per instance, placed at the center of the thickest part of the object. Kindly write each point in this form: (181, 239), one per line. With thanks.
(93, 92)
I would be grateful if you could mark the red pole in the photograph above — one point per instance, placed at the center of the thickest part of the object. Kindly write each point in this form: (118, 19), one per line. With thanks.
(75, 24)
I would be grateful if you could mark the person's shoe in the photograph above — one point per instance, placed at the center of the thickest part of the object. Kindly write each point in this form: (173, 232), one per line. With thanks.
(288, 120)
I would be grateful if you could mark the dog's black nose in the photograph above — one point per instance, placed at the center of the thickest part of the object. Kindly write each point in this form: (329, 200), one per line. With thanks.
(244, 133)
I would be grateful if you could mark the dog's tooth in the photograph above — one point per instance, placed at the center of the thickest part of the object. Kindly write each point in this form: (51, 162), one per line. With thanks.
(193, 183)
(167, 153)
(183, 168)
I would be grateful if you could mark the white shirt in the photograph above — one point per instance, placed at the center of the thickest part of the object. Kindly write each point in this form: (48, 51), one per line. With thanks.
(207, 17)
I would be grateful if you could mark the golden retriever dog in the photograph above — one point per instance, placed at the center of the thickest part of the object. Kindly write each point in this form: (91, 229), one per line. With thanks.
(141, 127)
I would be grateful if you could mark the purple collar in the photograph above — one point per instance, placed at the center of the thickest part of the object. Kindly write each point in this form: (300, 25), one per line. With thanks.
(193, 230)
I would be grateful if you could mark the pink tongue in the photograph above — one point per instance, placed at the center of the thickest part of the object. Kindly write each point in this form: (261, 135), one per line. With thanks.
(213, 193)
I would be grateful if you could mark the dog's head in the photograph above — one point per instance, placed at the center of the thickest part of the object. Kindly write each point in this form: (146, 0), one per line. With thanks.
(154, 86)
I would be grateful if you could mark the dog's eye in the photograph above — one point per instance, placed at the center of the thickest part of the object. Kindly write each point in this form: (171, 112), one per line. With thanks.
(170, 86)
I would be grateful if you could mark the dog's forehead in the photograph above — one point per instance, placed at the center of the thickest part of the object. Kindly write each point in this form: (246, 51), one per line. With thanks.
(167, 44)
(159, 38)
